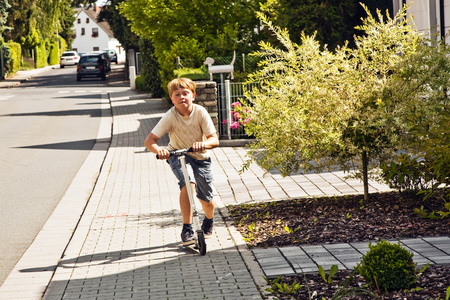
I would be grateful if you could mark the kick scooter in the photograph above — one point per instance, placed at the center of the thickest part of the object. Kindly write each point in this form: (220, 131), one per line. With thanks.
(199, 237)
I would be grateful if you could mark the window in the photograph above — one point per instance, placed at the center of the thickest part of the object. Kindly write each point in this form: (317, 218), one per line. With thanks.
(78, 20)
(74, 34)
(94, 32)
(87, 20)
(83, 31)
(96, 49)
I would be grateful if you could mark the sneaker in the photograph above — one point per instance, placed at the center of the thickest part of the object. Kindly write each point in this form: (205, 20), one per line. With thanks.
(187, 235)
(207, 226)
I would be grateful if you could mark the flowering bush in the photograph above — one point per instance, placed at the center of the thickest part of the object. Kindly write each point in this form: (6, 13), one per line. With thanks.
(237, 116)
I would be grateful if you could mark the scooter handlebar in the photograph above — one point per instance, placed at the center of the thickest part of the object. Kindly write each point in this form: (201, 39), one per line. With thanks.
(177, 152)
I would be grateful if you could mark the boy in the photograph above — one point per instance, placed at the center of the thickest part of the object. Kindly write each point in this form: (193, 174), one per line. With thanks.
(188, 125)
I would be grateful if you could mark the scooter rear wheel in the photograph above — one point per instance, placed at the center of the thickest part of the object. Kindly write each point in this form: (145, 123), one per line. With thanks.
(201, 243)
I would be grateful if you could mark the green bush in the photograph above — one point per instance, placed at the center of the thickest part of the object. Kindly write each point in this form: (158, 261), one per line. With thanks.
(41, 55)
(151, 81)
(16, 54)
(388, 266)
(53, 58)
(139, 81)
(407, 174)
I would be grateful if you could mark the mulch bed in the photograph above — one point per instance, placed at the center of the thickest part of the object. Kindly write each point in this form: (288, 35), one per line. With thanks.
(346, 219)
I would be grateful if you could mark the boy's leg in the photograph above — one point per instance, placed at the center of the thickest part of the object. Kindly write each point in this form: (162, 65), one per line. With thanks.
(185, 205)
(208, 208)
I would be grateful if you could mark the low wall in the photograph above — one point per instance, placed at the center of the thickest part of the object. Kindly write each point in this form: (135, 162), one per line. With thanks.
(206, 96)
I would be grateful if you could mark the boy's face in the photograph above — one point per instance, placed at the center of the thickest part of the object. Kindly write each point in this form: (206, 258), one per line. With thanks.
(182, 98)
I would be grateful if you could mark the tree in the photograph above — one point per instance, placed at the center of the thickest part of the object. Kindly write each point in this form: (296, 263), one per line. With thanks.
(333, 22)
(192, 29)
(316, 109)
(4, 6)
(119, 24)
(328, 20)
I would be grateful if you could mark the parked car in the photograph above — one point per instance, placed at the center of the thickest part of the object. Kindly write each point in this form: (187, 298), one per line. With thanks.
(112, 54)
(69, 58)
(93, 65)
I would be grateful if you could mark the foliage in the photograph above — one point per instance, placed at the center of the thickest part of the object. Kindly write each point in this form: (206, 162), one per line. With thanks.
(16, 55)
(34, 21)
(4, 6)
(53, 58)
(406, 174)
(119, 24)
(333, 22)
(282, 288)
(426, 115)
(432, 215)
(328, 21)
(207, 28)
(388, 266)
(316, 109)
(41, 55)
(193, 74)
(150, 76)
(333, 271)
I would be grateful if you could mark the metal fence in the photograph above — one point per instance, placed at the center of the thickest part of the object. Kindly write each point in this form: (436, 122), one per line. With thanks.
(227, 94)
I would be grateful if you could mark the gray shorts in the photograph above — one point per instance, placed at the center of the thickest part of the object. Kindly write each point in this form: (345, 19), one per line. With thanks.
(199, 173)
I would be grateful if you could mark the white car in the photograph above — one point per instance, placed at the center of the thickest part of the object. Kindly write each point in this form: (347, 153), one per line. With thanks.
(69, 58)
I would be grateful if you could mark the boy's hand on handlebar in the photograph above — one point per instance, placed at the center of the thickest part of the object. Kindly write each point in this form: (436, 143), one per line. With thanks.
(163, 154)
(198, 146)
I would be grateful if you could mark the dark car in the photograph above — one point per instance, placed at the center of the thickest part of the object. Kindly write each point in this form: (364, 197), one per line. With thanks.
(93, 65)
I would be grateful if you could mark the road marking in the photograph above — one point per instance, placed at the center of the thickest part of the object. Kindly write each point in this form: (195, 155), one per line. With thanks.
(6, 96)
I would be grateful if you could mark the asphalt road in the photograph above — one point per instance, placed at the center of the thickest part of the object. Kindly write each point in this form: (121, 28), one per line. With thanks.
(48, 125)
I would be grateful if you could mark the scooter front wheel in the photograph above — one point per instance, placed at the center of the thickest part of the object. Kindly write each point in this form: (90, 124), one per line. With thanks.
(201, 243)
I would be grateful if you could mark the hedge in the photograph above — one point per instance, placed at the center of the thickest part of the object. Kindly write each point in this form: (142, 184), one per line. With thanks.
(16, 55)
(41, 55)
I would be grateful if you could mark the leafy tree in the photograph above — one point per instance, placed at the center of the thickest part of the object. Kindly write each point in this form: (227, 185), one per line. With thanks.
(33, 21)
(333, 22)
(119, 24)
(192, 29)
(316, 109)
(4, 6)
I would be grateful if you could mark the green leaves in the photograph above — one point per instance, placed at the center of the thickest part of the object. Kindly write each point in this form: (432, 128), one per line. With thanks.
(334, 269)
(282, 288)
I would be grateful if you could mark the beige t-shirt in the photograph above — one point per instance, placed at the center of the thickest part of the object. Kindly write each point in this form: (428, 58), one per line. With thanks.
(185, 131)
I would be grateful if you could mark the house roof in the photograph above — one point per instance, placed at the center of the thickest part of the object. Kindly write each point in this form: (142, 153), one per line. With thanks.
(93, 12)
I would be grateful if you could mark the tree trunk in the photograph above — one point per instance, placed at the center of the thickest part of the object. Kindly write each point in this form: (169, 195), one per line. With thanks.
(365, 165)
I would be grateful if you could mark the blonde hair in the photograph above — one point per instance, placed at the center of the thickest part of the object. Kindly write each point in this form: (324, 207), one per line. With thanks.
(184, 83)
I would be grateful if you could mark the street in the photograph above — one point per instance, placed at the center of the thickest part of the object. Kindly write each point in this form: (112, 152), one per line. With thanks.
(48, 125)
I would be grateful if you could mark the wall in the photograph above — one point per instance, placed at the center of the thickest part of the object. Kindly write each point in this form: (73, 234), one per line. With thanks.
(428, 16)
(206, 96)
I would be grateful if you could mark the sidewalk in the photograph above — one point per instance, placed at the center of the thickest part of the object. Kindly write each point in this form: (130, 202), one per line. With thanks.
(126, 245)
(22, 76)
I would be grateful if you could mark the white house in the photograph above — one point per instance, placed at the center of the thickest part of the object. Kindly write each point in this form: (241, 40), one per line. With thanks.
(431, 16)
(90, 35)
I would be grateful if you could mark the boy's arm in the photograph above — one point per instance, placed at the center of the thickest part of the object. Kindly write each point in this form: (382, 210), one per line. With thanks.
(151, 144)
(212, 141)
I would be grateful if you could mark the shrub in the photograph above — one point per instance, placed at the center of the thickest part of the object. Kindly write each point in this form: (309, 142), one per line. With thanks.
(139, 81)
(388, 266)
(16, 53)
(41, 55)
(53, 58)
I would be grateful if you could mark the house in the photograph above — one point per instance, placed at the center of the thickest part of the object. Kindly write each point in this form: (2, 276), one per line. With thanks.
(90, 35)
(431, 16)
